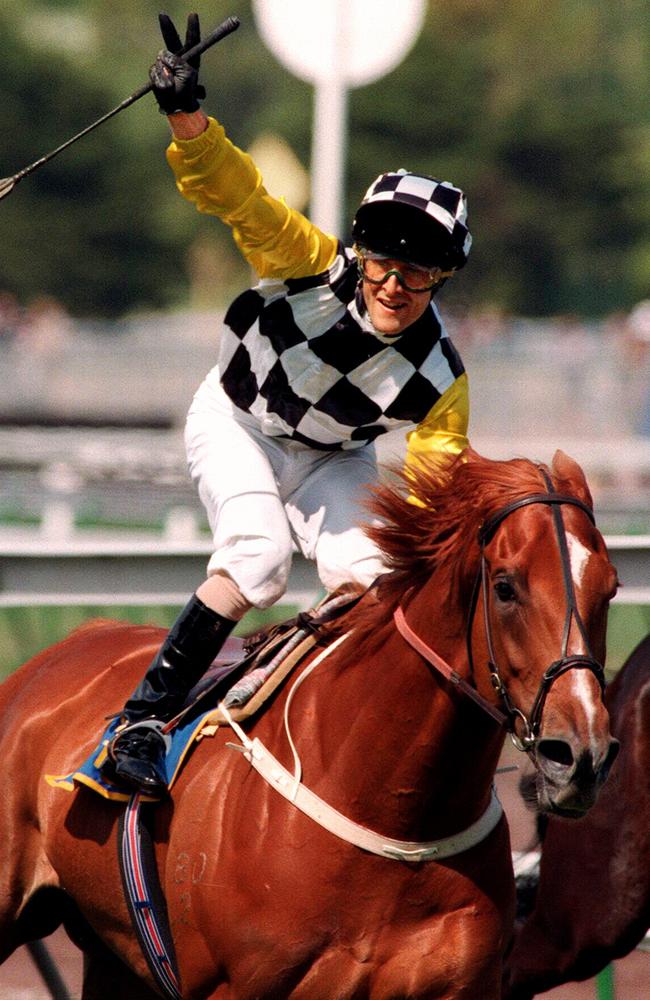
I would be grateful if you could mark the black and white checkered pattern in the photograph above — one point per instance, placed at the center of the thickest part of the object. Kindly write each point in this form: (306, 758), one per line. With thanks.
(439, 200)
(303, 359)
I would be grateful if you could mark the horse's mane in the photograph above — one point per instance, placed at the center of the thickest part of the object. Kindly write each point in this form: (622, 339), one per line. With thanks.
(430, 517)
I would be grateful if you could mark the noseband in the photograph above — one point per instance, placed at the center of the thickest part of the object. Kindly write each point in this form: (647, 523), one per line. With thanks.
(523, 729)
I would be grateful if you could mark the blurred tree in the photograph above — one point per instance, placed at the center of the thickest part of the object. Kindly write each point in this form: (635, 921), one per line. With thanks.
(534, 110)
(539, 111)
(79, 229)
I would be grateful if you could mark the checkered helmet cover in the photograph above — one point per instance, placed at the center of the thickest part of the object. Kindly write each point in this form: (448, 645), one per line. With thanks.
(415, 218)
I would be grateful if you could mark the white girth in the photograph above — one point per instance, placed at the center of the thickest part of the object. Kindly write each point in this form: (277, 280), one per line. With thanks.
(290, 786)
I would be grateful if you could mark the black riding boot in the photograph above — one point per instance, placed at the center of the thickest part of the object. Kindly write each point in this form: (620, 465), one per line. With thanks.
(136, 755)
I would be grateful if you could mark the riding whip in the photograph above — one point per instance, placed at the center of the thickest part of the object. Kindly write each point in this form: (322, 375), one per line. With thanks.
(7, 184)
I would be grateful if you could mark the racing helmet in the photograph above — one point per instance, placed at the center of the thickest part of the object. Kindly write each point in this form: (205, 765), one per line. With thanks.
(414, 218)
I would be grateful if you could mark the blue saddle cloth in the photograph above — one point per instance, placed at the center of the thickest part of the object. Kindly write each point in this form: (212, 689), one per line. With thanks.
(88, 773)
(201, 703)
(206, 695)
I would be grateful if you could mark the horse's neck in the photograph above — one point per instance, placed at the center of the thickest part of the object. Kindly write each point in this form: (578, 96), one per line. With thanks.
(452, 744)
(384, 739)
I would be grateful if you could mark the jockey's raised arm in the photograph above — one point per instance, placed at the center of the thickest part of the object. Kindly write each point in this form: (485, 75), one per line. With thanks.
(222, 180)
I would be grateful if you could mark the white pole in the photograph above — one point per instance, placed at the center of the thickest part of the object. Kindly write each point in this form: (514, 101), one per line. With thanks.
(329, 143)
(328, 155)
(336, 45)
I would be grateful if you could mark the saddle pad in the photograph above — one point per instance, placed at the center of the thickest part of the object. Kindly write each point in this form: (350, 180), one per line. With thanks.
(88, 774)
(189, 728)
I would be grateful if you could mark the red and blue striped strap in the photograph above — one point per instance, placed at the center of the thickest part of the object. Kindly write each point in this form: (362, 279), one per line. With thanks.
(149, 916)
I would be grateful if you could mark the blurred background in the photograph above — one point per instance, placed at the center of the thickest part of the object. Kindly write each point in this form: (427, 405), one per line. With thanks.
(112, 289)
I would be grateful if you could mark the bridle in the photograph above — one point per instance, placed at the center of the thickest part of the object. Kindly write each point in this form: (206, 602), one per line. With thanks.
(524, 729)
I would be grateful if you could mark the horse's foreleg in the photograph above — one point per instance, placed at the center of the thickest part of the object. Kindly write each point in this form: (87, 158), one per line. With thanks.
(36, 917)
(538, 960)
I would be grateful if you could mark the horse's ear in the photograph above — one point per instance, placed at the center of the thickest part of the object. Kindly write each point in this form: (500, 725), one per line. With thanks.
(567, 470)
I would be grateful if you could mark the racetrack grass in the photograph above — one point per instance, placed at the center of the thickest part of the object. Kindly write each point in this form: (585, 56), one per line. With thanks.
(628, 624)
(24, 631)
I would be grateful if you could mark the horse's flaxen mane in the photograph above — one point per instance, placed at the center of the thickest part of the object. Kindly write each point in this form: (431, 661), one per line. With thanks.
(441, 528)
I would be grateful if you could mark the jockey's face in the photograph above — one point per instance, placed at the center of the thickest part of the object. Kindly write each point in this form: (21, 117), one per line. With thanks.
(391, 307)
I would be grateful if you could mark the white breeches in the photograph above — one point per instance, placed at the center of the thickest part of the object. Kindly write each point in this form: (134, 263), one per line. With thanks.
(267, 496)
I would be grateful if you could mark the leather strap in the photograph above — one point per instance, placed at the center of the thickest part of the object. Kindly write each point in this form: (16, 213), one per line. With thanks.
(145, 899)
(277, 776)
(443, 667)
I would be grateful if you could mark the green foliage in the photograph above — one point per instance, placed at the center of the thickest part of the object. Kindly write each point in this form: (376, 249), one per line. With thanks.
(540, 112)
(535, 111)
(78, 229)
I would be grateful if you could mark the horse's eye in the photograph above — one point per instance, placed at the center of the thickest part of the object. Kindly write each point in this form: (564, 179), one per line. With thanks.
(504, 591)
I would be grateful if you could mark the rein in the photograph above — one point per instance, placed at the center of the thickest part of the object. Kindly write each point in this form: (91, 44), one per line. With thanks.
(513, 718)
(443, 667)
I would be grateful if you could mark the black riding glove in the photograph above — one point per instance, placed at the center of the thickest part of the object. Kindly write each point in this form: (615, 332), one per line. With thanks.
(174, 80)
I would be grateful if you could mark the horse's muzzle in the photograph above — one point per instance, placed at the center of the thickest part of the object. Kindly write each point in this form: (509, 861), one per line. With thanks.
(568, 783)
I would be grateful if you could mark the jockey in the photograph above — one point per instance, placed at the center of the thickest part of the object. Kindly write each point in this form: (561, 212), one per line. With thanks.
(332, 347)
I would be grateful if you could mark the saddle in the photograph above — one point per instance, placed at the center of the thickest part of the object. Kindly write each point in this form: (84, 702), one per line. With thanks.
(244, 676)
(265, 660)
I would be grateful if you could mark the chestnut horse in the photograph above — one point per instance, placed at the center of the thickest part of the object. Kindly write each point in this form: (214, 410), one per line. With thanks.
(497, 567)
(592, 903)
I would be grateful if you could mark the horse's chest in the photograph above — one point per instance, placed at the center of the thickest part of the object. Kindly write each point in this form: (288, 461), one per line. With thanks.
(315, 934)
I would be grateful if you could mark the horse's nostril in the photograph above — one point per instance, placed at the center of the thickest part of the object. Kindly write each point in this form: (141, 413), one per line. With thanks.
(556, 751)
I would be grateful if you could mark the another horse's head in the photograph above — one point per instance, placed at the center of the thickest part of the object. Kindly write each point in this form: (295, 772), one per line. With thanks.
(515, 547)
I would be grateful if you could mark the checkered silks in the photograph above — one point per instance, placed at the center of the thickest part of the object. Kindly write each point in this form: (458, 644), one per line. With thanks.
(302, 358)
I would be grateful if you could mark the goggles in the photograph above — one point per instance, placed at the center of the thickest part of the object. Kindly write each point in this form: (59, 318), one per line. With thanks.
(377, 269)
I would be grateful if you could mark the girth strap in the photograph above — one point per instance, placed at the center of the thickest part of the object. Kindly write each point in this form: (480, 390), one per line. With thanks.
(145, 900)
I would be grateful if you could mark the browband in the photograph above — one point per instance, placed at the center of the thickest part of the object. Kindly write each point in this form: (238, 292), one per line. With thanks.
(487, 529)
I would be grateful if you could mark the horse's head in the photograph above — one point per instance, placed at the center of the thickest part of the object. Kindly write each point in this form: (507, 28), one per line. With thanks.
(514, 546)
(546, 583)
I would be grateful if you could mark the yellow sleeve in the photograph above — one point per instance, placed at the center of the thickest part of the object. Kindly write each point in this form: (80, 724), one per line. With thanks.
(220, 179)
(444, 429)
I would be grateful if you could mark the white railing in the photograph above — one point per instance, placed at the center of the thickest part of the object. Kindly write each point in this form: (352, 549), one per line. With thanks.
(101, 571)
